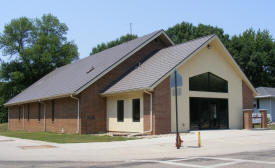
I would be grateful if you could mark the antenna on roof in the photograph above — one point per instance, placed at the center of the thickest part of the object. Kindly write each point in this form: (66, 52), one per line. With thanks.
(131, 29)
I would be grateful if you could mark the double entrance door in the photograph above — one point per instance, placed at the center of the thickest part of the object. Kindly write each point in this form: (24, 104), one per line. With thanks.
(208, 113)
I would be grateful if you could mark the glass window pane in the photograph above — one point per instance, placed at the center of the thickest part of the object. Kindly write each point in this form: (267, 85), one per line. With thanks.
(136, 110)
(199, 82)
(208, 82)
(217, 84)
(120, 110)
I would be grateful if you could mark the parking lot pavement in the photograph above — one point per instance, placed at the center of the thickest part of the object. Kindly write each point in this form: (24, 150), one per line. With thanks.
(260, 159)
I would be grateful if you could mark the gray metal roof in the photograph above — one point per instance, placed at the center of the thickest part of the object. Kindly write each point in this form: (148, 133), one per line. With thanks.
(157, 66)
(69, 78)
(265, 92)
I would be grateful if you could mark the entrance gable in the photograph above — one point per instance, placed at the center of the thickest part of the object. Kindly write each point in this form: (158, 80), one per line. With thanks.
(209, 61)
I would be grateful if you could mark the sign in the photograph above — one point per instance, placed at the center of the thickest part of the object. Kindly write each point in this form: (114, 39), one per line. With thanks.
(173, 84)
(172, 79)
(256, 118)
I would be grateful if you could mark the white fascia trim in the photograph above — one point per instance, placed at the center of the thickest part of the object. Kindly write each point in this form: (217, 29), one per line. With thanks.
(168, 38)
(124, 91)
(265, 96)
(37, 100)
(121, 60)
(181, 63)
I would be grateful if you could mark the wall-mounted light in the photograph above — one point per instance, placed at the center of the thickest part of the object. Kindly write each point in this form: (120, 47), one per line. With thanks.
(209, 46)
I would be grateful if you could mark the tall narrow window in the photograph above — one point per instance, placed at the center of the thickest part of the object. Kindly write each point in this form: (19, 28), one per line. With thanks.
(258, 103)
(19, 112)
(120, 110)
(136, 110)
(28, 116)
(53, 110)
(39, 110)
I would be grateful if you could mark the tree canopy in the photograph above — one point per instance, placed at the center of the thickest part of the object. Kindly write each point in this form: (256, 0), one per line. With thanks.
(35, 47)
(254, 51)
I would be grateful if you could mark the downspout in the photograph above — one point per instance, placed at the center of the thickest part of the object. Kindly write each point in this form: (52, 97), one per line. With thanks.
(44, 115)
(23, 117)
(78, 114)
(270, 109)
(151, 113)
(8, 118)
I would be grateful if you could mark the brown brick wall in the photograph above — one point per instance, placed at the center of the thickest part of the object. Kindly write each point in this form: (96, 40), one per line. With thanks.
(14, 122)
(65, 117)
(248, 97)
(93, 106)
(162, 108)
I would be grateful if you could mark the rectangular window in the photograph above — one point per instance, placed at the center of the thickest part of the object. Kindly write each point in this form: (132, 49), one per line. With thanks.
(136, 110)
(258, 103)
(39, 110)
(120, 110)
(19, 112)
(28, 112)
(53, 110)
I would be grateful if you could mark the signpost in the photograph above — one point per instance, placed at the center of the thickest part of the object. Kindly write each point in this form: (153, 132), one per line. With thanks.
(175, 82)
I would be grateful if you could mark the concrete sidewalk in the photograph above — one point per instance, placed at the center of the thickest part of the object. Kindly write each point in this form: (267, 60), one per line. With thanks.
(216, 142)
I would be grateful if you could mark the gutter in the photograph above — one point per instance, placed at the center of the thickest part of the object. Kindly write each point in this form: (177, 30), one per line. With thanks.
(44, 104)
(78, 113)
(35, 100)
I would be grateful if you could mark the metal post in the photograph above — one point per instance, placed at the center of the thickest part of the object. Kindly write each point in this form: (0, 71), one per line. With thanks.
(199, 139)
(44, 117)
(23, 116)
(176, 97)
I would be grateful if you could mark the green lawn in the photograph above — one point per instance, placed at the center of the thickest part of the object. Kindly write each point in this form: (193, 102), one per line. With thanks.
(59, 138)
(271, 126)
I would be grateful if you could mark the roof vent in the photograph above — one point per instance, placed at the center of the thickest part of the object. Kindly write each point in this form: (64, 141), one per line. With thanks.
(91, 69)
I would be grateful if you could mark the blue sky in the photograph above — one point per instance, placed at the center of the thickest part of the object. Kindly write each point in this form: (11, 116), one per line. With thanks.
(92, 22)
